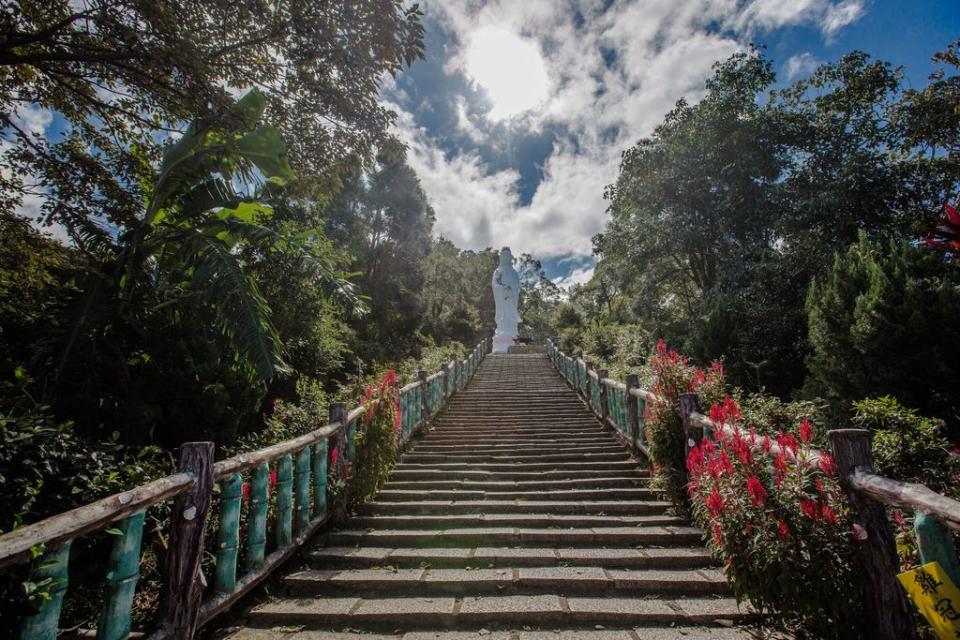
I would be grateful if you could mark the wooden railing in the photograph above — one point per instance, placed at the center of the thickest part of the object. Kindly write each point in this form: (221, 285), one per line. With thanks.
(887, 611)
(300, 474)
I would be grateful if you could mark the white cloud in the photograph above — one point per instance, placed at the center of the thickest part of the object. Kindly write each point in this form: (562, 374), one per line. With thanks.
(840, 15)
(660, 51)
(802, 64)
(577, 276)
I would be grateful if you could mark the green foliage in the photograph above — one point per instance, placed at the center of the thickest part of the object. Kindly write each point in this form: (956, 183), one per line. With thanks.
(883, 322)
(383, 217)
(288, 419)
(457, 294)
(122, 79)
(907, 446)
(432, 359)
(46, 468)
(722, 218)
(377, 437)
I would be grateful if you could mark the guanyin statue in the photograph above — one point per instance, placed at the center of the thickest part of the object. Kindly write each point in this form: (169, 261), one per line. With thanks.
(506, 296)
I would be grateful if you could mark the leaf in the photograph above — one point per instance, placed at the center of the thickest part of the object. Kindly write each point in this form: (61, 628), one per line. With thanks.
(265, 148)
(952, 214)
(246, 212)
(113, 532)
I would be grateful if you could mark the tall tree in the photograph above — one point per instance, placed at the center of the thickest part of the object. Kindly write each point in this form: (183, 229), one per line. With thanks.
(120, 74)
(386, 220)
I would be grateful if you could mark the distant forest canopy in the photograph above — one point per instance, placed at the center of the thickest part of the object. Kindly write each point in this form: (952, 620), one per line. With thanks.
(802, 235)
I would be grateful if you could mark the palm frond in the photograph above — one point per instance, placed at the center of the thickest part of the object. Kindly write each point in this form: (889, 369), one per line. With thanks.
(242, 313)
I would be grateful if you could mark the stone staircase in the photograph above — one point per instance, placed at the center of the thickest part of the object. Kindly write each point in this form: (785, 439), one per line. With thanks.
(516, 517)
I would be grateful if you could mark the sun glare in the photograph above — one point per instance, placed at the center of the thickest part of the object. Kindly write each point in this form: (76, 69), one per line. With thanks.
(509, 68)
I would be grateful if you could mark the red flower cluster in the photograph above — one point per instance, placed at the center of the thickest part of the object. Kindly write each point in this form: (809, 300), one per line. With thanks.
(945, 233)
(739, 490)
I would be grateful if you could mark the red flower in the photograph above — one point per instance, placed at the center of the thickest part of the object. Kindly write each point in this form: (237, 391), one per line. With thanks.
(758, 495)
(898, 518)
(780, 464)
(334, 457)
(695, 460)
(827, 465)
(787, 442)
(828, 514)
(717, 535)
(806, 431)
(810, 509)
(715, 503)
(391, 377)
(273, 478)
(783, 531)
(245, 491)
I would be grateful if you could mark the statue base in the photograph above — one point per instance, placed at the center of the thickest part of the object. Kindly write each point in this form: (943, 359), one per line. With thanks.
(502, 343)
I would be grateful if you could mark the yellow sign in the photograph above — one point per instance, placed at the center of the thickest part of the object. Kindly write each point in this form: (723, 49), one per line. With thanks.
(936, 597)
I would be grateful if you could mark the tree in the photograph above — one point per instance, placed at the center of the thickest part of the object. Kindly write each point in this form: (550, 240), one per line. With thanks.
(883, 323)
(383, 216)
(123, 74)
(171, 305)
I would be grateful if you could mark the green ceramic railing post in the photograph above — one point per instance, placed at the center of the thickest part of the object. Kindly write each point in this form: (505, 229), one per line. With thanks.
(43, 624)
(303, 489)
(257, 526)
(320, 479)
(936, 544)
(228, 534)
(123, 571)
(285, 501)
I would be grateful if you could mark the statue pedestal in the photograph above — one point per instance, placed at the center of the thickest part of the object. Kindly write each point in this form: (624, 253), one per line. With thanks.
(502, 343)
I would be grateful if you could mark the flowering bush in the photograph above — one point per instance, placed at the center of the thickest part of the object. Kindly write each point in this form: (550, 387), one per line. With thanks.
(377, 436)
(672, 376)
(780, 525)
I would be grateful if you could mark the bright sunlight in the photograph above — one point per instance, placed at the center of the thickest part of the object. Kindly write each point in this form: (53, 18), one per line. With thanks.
(509, 68)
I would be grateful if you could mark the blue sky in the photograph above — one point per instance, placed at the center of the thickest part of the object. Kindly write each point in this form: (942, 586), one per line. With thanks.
(516, 119)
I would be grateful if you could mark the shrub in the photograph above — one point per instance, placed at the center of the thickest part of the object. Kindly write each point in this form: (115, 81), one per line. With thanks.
(672, 376)
(907, 446)
(781, 527)
(377, 437)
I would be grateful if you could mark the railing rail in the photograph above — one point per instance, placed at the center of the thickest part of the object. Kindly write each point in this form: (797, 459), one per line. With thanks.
(888, 611)
(302, 468)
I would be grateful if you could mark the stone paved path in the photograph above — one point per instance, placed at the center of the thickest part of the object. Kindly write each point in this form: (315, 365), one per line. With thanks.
(517, 517)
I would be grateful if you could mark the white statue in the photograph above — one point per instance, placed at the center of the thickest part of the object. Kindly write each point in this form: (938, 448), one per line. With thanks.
(506, 295)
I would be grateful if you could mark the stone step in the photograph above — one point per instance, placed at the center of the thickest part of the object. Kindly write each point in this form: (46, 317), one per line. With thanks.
(489, 557)
(533, 466)
(619, 507)
(508, 581)
(435, 439)
(501, 485)
(524, 520)
(416, 457)
(632, 493)
(429, 473)
(510, 536)
(533, 447)
(511, 611)
(534, 431)
(643, 633)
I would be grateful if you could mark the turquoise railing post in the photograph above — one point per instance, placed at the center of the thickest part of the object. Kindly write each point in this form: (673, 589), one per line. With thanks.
(302, 488)
(284, 488)
(320, 479)
(936, 544)
(228, 534)
(123, 571)
(43, 624)
(600, 407)
(257, 525)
